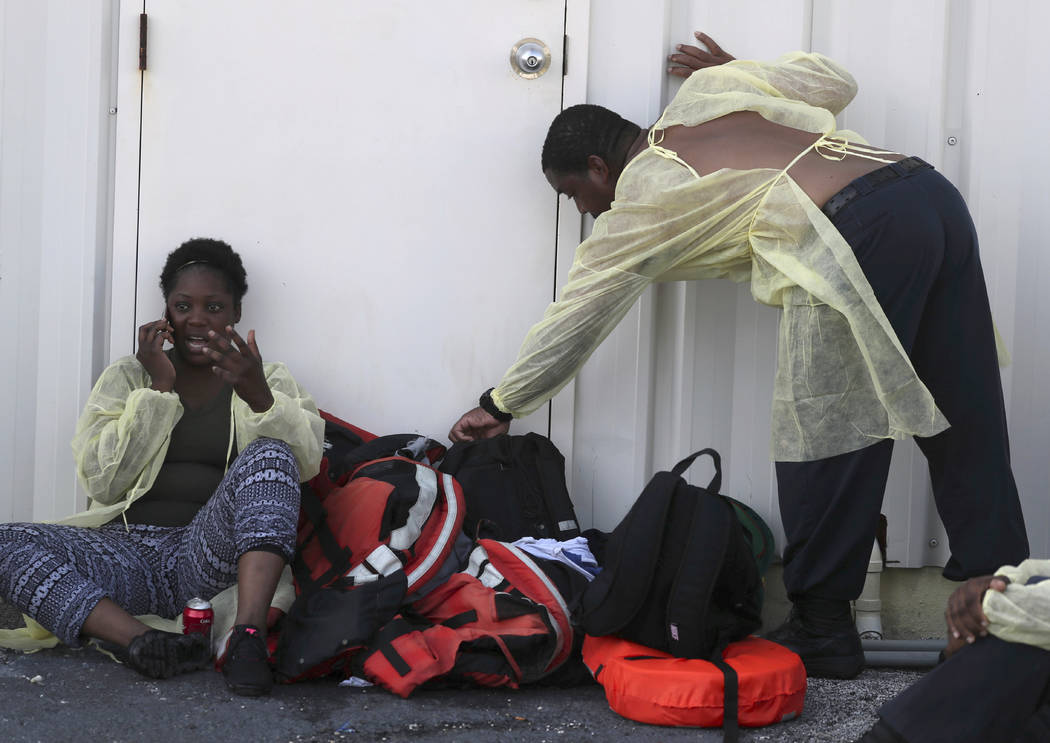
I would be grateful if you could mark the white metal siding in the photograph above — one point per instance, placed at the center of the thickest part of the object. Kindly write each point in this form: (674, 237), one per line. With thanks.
(54, 162)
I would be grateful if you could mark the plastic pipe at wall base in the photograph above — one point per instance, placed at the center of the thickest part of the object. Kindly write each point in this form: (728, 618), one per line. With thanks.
(934, 646)
(888, 653)
(902, 653)
(869, 606)
(901, 658)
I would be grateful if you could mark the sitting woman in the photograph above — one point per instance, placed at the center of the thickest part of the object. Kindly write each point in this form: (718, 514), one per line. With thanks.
(193, 458)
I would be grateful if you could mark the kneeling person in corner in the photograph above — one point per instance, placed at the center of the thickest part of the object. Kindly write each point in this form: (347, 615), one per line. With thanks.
(995, 682)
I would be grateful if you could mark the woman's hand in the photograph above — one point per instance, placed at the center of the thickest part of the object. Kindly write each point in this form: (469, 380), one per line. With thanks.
(239, 363)
(152, 357)
(693, 58)
(477, 424)
(965, 615)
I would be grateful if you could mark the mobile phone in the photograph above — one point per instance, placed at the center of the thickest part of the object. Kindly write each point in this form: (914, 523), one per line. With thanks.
(167, 316)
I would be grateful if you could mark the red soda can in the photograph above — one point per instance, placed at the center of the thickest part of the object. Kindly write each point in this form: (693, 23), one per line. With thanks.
(197, 617)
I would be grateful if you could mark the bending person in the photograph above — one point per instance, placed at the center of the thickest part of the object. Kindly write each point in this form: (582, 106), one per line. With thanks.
(192, 458)
(886, 329)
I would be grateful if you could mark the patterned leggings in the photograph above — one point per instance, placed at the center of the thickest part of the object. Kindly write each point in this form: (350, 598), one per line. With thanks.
(57, 574)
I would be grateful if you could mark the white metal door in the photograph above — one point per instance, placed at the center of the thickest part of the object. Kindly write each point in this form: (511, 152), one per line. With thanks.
(377, 167)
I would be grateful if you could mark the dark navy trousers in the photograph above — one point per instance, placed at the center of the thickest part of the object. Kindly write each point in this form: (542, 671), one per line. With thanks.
(916, 243)
(990, 692)
(57, 574)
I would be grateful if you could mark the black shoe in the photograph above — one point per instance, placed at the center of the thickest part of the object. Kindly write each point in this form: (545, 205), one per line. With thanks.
(161, 655)
(829, 648)
(246, 662)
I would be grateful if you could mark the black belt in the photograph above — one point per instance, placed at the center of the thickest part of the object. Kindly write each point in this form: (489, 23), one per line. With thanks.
(890, 172)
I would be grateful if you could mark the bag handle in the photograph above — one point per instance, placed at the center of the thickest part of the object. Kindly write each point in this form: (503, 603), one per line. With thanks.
(716, 481)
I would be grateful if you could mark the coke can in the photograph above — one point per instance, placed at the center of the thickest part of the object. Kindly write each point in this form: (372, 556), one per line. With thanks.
(197, 617)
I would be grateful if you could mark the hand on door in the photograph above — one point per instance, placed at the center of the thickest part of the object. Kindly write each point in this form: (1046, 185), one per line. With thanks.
(693, 58)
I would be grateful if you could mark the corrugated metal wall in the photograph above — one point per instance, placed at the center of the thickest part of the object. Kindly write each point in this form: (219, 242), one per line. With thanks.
(959, 83)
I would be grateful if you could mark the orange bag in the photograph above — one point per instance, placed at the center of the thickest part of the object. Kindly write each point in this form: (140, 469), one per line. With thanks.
(655, 687)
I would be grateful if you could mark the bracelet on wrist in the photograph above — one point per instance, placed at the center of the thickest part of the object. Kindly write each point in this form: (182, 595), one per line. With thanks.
(486, 403)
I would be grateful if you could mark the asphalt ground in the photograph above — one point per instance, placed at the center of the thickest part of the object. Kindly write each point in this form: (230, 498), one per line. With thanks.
(75, 695)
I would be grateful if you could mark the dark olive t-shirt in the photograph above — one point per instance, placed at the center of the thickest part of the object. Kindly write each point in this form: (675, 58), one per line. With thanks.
(192, 469)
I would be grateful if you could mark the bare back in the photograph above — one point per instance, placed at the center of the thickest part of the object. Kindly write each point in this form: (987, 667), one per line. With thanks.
(746, 141)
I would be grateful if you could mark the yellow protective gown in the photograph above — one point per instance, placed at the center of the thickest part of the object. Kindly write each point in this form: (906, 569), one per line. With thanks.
(1022, 612)
(122, 435)
(843, 380)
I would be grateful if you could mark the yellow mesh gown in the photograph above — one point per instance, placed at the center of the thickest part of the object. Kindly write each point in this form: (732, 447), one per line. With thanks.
(843, 380)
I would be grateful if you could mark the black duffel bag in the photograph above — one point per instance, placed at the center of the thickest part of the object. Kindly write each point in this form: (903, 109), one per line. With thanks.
(514, 486)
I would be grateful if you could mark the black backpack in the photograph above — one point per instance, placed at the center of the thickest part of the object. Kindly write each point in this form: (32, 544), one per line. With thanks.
(514, 487)
(679, 573)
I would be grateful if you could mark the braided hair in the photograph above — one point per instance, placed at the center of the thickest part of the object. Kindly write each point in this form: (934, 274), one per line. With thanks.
(581, 131)
(214, 254)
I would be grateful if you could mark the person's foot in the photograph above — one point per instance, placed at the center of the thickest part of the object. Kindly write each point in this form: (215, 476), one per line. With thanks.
(160, 655)
(246, 662)
(822, 633)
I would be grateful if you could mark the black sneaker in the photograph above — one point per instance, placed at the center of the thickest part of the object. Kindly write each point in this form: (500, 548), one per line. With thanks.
(161, 655)
(246, 662)
(828, 650)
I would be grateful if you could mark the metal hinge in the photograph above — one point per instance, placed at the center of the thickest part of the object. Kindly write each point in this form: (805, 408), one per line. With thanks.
(142, 42)
(564, 55)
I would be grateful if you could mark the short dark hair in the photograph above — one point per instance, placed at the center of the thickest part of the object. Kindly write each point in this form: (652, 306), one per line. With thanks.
(581, 131)
(214, 254)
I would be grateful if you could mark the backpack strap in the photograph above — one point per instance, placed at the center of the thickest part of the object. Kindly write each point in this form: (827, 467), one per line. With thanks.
(701, 563)
(338, 556)
(710, 530)
(730, 698)
(550, 471)
(702, 558)
(716, 481)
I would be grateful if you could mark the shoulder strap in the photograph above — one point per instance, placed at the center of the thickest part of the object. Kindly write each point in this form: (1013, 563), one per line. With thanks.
(703, 554)
(338, 556)
(553, 490)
